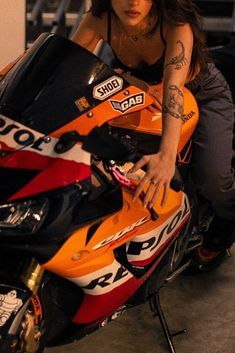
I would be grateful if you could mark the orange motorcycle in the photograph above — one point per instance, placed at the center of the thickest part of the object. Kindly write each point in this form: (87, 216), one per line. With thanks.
(76, 250)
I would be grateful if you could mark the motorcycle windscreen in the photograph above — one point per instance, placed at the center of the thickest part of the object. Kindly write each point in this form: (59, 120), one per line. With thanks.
(51, 85)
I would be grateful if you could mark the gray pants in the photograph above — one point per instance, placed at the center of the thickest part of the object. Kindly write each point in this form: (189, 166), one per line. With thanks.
(212, 144)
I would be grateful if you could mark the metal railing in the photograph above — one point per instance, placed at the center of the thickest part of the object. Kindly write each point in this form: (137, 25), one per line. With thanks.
(56, 16)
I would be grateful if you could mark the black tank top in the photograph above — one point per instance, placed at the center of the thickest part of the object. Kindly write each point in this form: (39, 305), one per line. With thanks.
(148, 73)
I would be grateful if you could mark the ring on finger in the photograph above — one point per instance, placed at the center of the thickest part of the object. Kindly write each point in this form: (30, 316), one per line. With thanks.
(153, 182)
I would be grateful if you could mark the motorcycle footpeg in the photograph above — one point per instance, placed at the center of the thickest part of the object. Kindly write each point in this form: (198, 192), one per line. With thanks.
(176, 273)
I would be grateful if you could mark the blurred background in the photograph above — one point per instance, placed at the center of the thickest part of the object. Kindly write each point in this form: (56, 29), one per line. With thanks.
(63, 16)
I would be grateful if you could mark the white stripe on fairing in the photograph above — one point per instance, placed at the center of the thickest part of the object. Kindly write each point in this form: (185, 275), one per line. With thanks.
(147, 253)
(75, 154)
(112, 269)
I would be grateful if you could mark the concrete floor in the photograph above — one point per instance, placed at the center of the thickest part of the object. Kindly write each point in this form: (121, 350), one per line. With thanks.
(203, 304)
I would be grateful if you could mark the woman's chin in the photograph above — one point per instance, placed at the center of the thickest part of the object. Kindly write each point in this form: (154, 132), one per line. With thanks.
(131, 22)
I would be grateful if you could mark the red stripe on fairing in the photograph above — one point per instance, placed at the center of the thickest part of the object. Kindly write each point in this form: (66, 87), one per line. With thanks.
(26, 160)
(5, 147)
(59, 174)
(96, 307)
(165, 244)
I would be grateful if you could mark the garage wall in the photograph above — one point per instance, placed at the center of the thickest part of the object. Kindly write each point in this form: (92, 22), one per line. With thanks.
(12, 30)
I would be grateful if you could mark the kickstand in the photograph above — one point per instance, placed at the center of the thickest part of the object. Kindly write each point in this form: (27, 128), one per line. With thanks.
(156, 309)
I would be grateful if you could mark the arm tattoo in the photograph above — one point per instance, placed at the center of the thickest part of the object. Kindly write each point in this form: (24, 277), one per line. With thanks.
(179, 60)
(175, 103)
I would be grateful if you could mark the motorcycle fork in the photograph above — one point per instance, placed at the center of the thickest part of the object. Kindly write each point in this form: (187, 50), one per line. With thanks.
(32, 275)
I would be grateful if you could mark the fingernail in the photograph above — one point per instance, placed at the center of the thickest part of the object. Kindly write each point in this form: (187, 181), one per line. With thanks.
(150, 205)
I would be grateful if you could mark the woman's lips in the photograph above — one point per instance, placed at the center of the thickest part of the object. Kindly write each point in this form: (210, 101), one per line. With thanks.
(132, 14)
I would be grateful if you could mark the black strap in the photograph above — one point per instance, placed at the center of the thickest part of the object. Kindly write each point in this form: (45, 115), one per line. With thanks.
(109, 28)
(161, 32)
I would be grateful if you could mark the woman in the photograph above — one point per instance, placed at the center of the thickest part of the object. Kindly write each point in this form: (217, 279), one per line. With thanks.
(161, 41)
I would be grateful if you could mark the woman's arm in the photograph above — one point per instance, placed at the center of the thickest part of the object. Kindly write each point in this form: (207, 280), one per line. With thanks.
(90, 31)
(161, 166)
(177, 61)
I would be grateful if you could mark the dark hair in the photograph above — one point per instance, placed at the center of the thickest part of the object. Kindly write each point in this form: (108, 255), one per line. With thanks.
(173, 12)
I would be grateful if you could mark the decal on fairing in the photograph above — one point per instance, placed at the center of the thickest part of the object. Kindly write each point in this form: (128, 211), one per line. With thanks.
(82, 104)
(188, 116)
(108, 88)
(103, 280)
(37, 308)
(17, 136)
(140, 248)
(121, 233)
(128, 103)
(144, 246)
(9, 303)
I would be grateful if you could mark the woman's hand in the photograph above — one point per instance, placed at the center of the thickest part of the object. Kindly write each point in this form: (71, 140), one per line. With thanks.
(160, 171)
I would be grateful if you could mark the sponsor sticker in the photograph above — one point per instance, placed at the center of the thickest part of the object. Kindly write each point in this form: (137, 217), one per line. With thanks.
(104, 280)
(188, 116)
(9, 303)
(17, 136)
(107, 88)
(82, 104)
(128, 103)
(37, 308)
(121, 233)
(142, 247)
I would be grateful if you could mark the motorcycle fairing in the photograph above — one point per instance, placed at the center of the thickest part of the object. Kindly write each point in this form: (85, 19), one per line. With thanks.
(147, 245)
(104, 112)
(38, 159)
(94, 267)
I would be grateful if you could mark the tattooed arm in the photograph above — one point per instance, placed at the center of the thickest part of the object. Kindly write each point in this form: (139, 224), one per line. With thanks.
(161, 166)
(177, 62)
(174, 105)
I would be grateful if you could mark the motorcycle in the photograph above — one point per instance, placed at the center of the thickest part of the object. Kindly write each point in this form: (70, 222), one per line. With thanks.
(76, 250)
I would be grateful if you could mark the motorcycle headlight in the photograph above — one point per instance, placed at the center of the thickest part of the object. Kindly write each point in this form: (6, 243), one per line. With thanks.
(23, 217)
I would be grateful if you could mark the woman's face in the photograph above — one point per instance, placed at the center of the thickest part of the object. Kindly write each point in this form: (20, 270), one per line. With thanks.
(132, 12)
